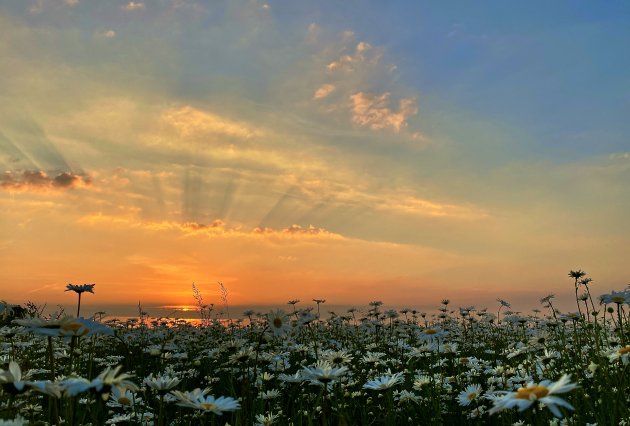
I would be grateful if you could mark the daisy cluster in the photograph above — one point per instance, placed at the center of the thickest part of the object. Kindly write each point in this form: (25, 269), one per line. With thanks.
(368, 366)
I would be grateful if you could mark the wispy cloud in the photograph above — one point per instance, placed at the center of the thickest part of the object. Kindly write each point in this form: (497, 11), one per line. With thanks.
(132, 5)
(194, 123)
(215, 228)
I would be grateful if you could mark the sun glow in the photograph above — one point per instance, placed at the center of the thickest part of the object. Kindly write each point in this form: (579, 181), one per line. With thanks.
(180, 308)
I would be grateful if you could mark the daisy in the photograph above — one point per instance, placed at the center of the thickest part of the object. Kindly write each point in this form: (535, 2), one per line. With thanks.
(372, 358)
(617, 297)
(468, 395)
(207, 403)
(64, 327)
(161, 384)
(544, 392)
(270, 394)
(430, 334)
(337, 357)
(122, 398)
(109, 379)
(278, 321)
(119, 418)
(242, 356)
(291, 378)
(406, 396)
(266, 420)
(420, 381)
(11, 379)
(620, 354)
(12, 382)
(323, 373)
(305, 317)
(385, 382)
(81, 288)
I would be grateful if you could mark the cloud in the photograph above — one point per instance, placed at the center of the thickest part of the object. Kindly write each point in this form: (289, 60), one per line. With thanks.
(363, 53)
(354, 82)
(373, 111)
(109, 34)
(323, 91)
(40, 5)
(132, 5)
(194, 226)
(620, 156)
(418, 206)
(37, 7)
(195, 123)
(294, 230)
(38, 180)
(215, 228)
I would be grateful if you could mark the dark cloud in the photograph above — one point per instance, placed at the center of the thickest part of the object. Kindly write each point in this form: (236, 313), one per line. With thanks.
(195, 226)
(39, 180)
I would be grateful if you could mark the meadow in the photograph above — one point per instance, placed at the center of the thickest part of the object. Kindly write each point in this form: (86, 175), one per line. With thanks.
(368, 366)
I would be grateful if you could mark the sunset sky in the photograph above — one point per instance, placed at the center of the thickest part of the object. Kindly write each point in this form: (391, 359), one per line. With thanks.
(402, 151)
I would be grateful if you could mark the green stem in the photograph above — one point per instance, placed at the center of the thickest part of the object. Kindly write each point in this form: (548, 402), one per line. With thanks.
(51, 363)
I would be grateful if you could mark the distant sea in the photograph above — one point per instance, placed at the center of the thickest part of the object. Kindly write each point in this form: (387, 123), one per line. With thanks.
(233, 312)
(125, 311)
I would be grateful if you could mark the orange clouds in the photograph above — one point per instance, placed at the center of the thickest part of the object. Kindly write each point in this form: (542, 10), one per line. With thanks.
(295, 230)
(373, 111)
(324, 91)
(364, 53)
(354, 76)
(215, 228)
(194, 226)
(38, 180)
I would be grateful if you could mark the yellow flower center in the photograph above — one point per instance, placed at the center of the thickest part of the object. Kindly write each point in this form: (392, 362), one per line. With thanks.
(472, 396)
(430, 331)
(537, 391)
(124, 400)
(277, 322)
(624, 350)
(208, 406)
(618, 299)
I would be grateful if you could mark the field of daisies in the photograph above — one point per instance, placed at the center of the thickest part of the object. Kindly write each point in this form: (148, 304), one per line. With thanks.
(367, 366)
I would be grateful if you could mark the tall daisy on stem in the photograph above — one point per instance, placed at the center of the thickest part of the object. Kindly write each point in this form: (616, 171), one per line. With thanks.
(577, 276)
(544, 392)
(80, 289)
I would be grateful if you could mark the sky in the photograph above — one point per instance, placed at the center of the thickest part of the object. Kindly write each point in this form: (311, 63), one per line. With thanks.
(351, 151)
